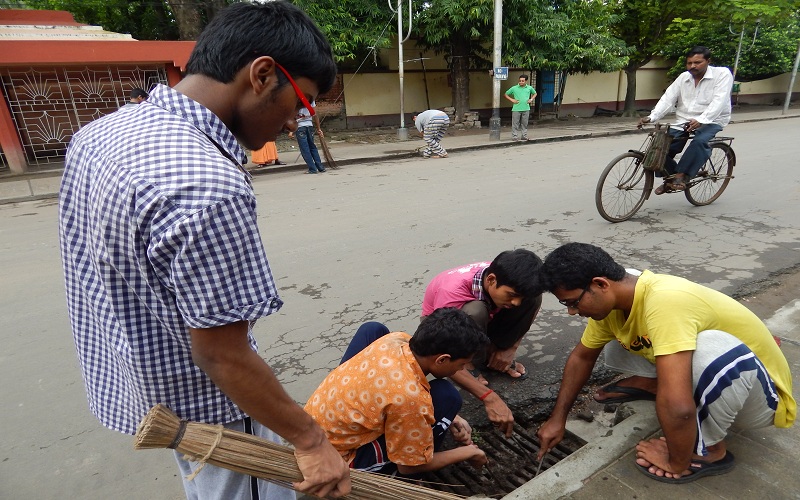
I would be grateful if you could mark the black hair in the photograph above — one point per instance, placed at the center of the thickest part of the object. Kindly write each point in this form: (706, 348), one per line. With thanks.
(137, 92)
(575, 265)
(699, 50)
(243, 32)
(518, 269)
(523, 76)
(448, 331)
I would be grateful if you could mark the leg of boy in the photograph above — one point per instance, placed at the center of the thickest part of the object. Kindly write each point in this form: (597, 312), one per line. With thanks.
(366, 334)
(508, 326)
(731, 388)
(446, 405)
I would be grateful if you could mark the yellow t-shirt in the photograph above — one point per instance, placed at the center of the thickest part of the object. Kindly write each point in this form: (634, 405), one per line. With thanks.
(667, 314)
(381, 390)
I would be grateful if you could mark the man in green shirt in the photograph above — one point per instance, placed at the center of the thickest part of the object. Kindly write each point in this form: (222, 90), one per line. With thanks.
(522, 97)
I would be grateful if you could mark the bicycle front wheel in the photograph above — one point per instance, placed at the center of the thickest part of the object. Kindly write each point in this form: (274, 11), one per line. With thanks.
(623, 187)
(713, 177)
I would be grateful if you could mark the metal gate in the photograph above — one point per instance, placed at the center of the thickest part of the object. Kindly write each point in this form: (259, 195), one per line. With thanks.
(49, 104)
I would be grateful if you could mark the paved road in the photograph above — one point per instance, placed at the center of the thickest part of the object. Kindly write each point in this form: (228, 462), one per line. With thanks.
(360, 243)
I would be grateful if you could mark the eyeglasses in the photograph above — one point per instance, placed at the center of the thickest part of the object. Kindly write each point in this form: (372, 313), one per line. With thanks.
(300, 94)
(573, 304)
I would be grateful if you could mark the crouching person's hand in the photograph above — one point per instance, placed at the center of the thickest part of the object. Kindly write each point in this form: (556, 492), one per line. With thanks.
(461, 431)
(478, 459)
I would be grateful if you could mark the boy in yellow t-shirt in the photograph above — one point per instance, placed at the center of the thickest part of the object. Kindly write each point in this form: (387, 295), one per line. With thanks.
(698, 353)
(379, 410)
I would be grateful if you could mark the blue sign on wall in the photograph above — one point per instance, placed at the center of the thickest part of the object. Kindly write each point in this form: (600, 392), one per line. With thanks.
(501, 73)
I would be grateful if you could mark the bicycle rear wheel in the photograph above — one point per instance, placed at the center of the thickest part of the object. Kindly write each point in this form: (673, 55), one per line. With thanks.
(713, 177)
(623, 187)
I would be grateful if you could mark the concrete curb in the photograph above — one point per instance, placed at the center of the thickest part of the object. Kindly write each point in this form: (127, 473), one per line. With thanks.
(41, 186)
(570, 474)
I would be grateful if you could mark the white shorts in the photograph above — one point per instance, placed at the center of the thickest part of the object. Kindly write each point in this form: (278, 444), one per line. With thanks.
(732, 389)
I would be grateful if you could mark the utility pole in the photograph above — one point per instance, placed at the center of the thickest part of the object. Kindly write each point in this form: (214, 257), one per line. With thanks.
(791, 82)
(494, 121)
(402, 132)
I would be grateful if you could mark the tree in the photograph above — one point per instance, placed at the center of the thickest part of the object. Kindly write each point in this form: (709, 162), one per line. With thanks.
(567, 35)
(575, 37)
(143, 19)
(644, 25)
(193, 15)
(766, 53)
(353, 27)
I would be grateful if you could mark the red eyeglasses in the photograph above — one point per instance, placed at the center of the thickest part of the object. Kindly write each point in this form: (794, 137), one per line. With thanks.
(300, 94)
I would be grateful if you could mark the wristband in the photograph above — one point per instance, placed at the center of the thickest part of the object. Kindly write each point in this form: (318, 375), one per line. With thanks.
(486, 395)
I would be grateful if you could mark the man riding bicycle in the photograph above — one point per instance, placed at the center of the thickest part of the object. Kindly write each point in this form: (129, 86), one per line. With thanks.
(702, 99)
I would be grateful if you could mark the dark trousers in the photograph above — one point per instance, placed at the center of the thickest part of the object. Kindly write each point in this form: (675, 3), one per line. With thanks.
(507, 326)
(446, 405)
(698, 152)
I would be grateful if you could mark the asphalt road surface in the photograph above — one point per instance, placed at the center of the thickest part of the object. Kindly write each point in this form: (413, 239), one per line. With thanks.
(360, 244)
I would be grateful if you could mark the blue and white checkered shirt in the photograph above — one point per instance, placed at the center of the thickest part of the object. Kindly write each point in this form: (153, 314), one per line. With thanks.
(158, 234)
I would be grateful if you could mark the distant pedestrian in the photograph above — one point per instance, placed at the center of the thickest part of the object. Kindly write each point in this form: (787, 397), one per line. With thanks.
(268, 155)
(137, 95)
(432, 124)
(522, 96)
(306, 118)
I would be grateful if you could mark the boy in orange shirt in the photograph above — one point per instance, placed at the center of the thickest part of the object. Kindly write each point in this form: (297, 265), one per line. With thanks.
(379, 410)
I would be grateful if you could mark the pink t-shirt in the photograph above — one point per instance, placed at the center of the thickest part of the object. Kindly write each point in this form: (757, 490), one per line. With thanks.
(452, 288)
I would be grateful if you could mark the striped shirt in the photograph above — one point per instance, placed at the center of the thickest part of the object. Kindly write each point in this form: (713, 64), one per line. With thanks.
(158, 234)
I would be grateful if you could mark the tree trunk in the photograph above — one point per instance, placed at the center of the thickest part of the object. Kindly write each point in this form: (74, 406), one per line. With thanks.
(187, 16)
(630, 92)
(459, 73)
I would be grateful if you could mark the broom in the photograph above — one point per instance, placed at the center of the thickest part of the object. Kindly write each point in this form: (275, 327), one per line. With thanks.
(327, 153)
(240, 452)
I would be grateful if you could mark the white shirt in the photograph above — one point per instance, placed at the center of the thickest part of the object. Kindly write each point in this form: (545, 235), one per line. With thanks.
(707, 102)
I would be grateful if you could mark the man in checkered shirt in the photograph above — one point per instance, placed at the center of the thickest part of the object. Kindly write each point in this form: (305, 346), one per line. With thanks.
(164, 266)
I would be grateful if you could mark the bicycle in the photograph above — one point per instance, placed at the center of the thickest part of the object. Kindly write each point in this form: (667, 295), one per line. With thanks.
(628, 180)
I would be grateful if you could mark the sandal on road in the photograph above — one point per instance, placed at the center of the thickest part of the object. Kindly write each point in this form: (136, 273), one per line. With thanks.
(630, 394)
(516, 367)
(698, 469)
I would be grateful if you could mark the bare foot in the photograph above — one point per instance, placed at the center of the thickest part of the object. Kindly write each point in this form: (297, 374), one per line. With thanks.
(517, 370)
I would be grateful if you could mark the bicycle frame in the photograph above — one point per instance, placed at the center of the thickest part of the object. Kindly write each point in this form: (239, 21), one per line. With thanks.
(650, 140)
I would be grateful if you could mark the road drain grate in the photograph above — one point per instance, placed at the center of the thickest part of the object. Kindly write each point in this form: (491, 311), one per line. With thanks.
(512, 462)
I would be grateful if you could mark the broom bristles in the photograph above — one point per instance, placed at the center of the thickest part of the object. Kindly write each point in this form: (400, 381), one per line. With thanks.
(254, 456)
(327, 153)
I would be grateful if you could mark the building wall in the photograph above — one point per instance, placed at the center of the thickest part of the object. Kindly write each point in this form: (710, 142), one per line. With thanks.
(373, 99)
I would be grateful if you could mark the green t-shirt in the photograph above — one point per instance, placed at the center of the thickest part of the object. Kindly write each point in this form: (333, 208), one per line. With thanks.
(522, 94)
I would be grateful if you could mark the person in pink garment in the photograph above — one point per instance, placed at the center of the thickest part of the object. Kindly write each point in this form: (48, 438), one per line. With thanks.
(503, 298)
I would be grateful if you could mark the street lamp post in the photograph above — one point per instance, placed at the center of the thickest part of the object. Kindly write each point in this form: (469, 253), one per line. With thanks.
(402, 132)
(494, 121)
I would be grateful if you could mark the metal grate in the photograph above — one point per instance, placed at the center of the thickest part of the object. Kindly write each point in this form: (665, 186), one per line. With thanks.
(512, 463)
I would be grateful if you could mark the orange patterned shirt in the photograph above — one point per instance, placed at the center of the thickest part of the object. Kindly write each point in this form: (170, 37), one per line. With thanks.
(381, 390)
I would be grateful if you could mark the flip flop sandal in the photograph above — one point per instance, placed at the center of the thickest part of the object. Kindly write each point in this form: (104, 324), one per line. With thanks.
(522, 376)
(631, 394)
(698, 469)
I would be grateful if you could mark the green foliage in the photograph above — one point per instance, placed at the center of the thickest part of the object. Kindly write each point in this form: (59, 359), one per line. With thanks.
(642, 24)
(352, 26)
(771, 53)
(572, 36)
(143, 19)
